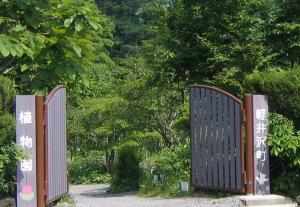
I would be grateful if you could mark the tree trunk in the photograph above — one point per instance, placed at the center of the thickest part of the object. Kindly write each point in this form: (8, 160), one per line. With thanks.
(109, 160)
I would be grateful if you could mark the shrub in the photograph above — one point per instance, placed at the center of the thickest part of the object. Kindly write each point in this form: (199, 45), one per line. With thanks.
(282, 88)
(126, 173)
(284, 144)
(283, 139)
(164, 172)
(88, 169)
(9, 152)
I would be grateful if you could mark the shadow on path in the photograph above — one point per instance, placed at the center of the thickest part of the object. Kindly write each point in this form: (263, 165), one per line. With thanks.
(102, 193)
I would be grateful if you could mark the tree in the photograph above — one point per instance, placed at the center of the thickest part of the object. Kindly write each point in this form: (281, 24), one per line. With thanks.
(101, 122)
(284, 33)
(197, 40)
(45, 43)
(131, 29)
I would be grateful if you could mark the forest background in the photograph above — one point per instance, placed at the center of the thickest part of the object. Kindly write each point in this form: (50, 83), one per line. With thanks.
(128, 64)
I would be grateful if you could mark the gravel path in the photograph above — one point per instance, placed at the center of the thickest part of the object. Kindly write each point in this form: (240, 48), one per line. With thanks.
(96, 196)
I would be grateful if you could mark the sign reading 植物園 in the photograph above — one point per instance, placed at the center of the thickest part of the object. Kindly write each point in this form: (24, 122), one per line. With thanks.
(26, 140)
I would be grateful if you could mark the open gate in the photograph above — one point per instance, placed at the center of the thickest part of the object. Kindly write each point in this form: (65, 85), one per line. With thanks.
(55, 144)
(217, 142)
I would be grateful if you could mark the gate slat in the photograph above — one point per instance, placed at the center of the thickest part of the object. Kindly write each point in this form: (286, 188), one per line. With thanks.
(210, 130)
(220, 141)
(193, 136)
(212, 150)
(207, 134)
(199, 134)
(226, 141)
(213, 139)
(203, 136)
(232, 144)
(237, 113)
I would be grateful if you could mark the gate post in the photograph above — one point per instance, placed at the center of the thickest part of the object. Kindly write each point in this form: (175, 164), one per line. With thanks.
(257, 151)
(249, 144)
(40, 147)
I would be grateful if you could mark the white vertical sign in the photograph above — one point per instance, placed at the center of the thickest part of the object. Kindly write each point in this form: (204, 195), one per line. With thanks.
(261, 150)
(26, 140)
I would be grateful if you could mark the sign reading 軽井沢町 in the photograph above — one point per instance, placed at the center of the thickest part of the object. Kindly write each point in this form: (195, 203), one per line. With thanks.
(26, 140)
(261, 150)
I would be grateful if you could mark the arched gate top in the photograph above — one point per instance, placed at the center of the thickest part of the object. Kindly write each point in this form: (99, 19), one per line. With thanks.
(53, 92)
(219, 91)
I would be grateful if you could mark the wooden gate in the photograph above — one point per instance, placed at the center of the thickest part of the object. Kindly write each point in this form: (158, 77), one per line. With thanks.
(216, 139)
(55, 144)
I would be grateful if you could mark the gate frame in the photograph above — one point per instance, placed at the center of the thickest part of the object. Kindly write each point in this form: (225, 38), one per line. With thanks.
(243, 139)
(42, 149)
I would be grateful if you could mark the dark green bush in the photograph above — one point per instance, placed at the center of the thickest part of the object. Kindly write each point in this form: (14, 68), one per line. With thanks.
(282, 88)
(164, 172)
(126, 173)
(88, 169)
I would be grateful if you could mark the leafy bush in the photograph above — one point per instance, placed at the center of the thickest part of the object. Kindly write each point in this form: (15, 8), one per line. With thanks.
(284, 144)
(164, 172)
(126, 173)
(88, 169)
(288, 183)
(282, 88)
(283, 139)
(9, 152)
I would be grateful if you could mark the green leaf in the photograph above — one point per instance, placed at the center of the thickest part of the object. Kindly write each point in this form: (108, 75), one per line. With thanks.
(16, 50)
(4, 47)
(19, 28)
(53, 40)
(78, 26)
(93, 24)
(77, 49)
(24, 67)
(68, 22)
(66, 1)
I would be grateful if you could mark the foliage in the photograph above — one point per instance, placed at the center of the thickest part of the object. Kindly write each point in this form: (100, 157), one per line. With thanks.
(88, 169)
(283, 139)
(285, 155)
(170, 167)
(197, 40)
(9, 152)
(45, 43)
(131, 29)
(288, 183)
(126, 175)
(284, 34)
(282, 88)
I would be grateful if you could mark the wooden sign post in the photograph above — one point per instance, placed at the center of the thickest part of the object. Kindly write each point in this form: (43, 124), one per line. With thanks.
(257, 151)
(261, 149)
(26, 140)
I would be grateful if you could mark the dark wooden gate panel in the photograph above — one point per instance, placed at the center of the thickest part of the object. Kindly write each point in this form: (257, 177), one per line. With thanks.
(216, 139)
(56, 144)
